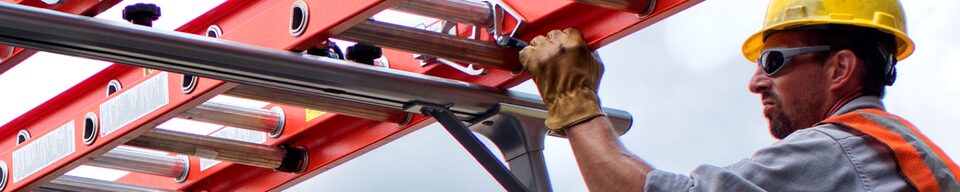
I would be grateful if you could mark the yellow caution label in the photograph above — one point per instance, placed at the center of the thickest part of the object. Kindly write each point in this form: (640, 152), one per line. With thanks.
(312, 114)
(147, 71)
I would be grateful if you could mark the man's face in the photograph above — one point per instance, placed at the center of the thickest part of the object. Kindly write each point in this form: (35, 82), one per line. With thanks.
(795, 97)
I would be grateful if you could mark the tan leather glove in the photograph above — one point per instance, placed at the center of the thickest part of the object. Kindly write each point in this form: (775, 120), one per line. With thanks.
(567, 75)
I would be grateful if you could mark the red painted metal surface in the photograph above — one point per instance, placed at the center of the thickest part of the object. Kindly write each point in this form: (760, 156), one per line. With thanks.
(329, 139)
(247, 18)
(600, 26)
(84, 98)
(341, 138)
(89, 8)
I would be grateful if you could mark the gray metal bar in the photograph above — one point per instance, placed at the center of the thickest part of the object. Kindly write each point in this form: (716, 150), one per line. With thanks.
(642, 7)
(433, 43)
(245, 64)
(141, 162)
(520, 139)
(256, 119)
(74, 183)
(258, 155)
(474, 146)
(460, 11)
(531, 169)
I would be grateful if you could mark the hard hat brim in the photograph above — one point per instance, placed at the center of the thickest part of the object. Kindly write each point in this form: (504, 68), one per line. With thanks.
(754, 44)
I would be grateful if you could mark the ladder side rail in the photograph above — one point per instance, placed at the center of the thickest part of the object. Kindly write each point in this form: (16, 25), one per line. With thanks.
(86, 96)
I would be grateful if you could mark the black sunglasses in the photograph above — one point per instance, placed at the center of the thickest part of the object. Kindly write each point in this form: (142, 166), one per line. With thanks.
(773, 59)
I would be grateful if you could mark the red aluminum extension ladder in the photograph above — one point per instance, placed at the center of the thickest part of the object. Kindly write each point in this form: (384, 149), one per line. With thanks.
(323, 111)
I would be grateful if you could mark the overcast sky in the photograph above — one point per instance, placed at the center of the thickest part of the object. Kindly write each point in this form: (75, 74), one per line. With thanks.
(683, 79)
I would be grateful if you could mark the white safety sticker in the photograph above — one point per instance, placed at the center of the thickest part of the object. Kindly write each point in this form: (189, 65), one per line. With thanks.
(133, 104)
(44, 151)
(237, 134)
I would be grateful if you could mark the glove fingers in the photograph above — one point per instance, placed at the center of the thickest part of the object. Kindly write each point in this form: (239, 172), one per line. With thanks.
(539, 41)
(529, 58)
(555, 34)
(572, 38)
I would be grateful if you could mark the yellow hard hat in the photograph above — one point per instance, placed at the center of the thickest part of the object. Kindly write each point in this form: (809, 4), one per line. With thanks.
(883, 15)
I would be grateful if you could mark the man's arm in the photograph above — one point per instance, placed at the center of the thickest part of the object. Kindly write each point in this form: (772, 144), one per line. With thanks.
(605, 164)
(568, 75)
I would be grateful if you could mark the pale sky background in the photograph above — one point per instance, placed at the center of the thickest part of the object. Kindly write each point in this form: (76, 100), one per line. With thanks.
(683, 79)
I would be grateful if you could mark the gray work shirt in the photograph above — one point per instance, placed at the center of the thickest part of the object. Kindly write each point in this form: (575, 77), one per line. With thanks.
(821, 158)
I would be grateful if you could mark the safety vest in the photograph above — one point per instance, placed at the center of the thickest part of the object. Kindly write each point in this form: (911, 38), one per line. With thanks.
(920, 161)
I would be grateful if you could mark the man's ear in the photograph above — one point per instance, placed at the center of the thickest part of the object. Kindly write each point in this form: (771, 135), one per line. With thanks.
(844, 69)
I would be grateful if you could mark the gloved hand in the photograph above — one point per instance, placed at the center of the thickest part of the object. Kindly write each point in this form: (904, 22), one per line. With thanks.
(567, 75)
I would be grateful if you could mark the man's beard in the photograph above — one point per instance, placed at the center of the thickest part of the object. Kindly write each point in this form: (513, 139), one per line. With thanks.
(785, 121)
(780, 125)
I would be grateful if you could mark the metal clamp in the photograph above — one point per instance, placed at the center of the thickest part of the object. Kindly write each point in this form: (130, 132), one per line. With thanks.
(446, 27)
(498, 10)
(469, 69)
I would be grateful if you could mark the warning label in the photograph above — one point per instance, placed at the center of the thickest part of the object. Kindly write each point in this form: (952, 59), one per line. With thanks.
(133, 104)
(44, 151)
(312, 114)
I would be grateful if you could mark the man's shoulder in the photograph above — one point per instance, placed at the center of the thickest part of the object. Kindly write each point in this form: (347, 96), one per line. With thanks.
(824, 132)
(819, 142)
(848, 150)
(826, 141)
(830, 139)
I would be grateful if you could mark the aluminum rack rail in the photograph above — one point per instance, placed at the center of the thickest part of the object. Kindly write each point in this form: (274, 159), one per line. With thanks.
(10, 56)
(337, 80)
(329, 111)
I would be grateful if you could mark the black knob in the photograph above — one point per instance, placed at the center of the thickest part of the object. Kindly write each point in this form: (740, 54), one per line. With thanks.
(363, 53)
(329, 49)
(511, 42)
(141, 13)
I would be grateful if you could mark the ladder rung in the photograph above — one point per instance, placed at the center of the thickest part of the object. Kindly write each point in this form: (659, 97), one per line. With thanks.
(256, 119)
(258, 155)
(393, 114)
(470, 12)
(433, 43)
(252, 65)
(142, 162)
(642, 7)
(74, 183)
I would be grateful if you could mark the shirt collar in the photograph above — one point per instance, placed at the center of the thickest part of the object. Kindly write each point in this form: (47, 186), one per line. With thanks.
(862, 102)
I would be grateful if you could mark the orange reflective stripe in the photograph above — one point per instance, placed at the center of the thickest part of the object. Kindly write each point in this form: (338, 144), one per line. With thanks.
(910, 162)
(936, 149)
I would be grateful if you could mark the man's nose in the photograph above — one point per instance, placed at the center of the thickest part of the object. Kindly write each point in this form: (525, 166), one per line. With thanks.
(759, 82)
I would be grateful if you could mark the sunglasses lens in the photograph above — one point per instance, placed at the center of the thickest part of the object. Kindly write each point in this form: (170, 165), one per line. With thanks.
(771, 61)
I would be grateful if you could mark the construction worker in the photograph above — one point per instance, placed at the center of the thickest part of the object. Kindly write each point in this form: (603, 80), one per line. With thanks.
(822, 69)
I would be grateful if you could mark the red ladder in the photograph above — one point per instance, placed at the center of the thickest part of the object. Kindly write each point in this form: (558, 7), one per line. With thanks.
(365, 107)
